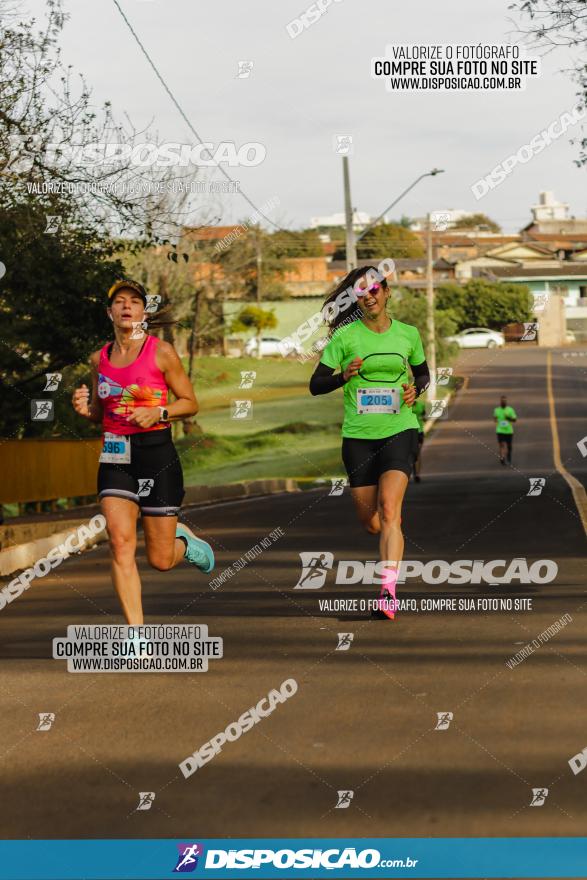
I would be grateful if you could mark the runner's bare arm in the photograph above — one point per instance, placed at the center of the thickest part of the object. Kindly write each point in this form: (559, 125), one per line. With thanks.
(81, 396)
(96, 409)
(178, 381)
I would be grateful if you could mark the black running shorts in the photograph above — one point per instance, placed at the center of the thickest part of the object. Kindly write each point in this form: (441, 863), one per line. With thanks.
(153, 479)
(505, 438)
(366, 460)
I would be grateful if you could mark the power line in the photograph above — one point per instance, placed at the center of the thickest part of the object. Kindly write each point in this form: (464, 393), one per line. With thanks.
(185, 118)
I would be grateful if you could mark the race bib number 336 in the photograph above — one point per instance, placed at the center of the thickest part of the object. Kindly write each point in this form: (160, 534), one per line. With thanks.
(116, 449)
(378, 400)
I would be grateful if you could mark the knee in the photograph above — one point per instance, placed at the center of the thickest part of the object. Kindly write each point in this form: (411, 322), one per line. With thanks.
(389, 514)
(160, 560)
(371, 523)
(122, 547)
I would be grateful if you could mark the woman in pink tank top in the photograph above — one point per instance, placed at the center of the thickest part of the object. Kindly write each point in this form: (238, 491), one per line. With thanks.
(139, 468)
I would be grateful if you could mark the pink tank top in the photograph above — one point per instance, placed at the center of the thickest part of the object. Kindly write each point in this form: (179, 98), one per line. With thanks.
(124, 389)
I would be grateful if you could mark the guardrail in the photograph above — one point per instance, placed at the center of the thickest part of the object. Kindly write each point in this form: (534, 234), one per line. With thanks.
(45, 469)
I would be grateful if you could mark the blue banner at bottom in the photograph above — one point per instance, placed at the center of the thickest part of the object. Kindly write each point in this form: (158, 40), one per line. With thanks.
(272, 858)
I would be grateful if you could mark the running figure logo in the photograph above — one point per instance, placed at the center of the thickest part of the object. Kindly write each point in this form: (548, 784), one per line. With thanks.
(437, 409)
(530, 331)
(344, 641)
(444, 719)
(46, 719)
(540, 300)
(146, 799)
(244, 69)
(537, 484)
(314, 569)
(42, 410)
(539, 795)
(52, 381)
(242, 409)
(138, 329)
(582, 447)
(443, 375)
(247, 378)
(440, 221)
(343, 144)
(153, 302)
(53, 223)
(338, 486)
(145, 486)
(187, 861)
(344, 800)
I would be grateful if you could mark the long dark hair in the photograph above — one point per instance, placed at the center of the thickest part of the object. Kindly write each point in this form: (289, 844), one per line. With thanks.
(348, 309)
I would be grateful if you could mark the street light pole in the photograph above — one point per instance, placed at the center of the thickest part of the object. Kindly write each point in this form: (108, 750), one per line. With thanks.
(259, 270)
(432, 173)
(351, 248)
(430, 326)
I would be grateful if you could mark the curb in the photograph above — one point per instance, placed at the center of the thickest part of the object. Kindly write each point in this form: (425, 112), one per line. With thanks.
(31, 541)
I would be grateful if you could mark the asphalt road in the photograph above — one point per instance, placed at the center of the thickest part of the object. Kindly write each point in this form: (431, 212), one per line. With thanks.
(362, 719)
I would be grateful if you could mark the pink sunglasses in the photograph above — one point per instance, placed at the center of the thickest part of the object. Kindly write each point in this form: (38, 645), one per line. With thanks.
(371, 289)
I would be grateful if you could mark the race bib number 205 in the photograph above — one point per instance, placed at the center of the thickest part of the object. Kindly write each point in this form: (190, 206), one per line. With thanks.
(116, 449)
(378, 400)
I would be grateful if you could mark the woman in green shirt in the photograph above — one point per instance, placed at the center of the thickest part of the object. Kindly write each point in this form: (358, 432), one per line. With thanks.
(380, 432)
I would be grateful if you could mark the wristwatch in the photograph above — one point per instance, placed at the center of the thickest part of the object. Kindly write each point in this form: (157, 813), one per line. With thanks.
(164, 414)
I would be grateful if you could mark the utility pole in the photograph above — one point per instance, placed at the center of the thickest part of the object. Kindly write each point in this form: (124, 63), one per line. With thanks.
(259, 268)
(351, 248)
(431, 347)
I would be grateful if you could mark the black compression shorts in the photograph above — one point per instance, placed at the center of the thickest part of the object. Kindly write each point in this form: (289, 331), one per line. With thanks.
(153, 479)
(366, 460)
(505, 438)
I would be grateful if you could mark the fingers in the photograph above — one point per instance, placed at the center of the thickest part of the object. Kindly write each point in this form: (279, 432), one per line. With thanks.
(354, 367)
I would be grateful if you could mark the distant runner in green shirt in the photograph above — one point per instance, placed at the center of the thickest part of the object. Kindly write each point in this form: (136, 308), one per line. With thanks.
(419, 410)
(504, 416)
(380, 431)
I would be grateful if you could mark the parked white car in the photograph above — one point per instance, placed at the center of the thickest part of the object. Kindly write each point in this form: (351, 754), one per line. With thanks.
(271, 346)
(478, 337)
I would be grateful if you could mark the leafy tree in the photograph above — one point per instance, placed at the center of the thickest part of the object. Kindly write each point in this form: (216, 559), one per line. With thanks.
(411, 307)
(239, 263)
(481, 303)
(386, 240)
(473, 221)
(337, 234)
(297, 244)
(63, 210)
(253, 318)
(556, 23)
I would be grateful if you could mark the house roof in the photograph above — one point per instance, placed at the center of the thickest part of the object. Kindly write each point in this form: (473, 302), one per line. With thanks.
(210, 233)
(564, 270)
(401, 264)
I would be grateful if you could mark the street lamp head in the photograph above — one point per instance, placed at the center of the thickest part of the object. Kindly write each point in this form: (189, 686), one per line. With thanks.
(436, 171)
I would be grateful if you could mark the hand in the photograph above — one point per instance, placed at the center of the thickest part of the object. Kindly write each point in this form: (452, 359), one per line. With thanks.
(145, 416)
(80, 400)
(409, 394)
(352, 369)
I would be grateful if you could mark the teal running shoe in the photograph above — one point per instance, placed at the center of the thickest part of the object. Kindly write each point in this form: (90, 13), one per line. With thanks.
(198, 552)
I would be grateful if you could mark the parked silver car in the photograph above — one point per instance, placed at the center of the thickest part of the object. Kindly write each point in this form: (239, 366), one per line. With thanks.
(478, 337)
(272, 346)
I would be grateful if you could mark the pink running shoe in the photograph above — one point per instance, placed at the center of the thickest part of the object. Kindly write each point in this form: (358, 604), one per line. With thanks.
(386, 604)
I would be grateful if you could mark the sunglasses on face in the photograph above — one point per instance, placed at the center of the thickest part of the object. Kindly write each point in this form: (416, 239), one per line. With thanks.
(373, 288)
